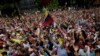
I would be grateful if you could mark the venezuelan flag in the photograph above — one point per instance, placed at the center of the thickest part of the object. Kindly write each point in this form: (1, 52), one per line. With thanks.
(48, 20)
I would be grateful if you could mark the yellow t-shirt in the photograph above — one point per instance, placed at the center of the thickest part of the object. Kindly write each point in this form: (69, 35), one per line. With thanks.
(2, 50)
(17, 40)
(60, 41)
(17, 34)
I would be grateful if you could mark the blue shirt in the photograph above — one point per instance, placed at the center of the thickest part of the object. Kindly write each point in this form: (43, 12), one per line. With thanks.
(60, 51)
(82, 53)
(92, 53)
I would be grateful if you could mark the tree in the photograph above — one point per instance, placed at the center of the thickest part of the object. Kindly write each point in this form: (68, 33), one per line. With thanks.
(62, 2)
(16, 5)
(50, 4)
(9, 6)
(37, 4)
(72, 2)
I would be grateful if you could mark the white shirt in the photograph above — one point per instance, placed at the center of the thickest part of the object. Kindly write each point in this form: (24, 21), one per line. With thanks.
(26, 45)
(37, 31)
(32, 54)
(82, 53)
(88, 50)
(54, 24)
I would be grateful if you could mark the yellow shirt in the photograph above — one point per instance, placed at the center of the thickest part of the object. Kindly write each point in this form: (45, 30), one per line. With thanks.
(60, 41)
(2, 50)
(17, 40)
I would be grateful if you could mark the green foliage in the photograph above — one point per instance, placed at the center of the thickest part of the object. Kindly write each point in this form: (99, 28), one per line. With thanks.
(37, 3)
(52, 5)
(1, 7)
(72, 2)
(8, 6)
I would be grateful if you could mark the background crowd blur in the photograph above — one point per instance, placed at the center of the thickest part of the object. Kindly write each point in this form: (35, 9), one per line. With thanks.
(71, 33)
(64, 28)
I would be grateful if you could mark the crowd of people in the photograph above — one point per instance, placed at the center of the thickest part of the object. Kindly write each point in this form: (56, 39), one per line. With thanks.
(73, 33)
